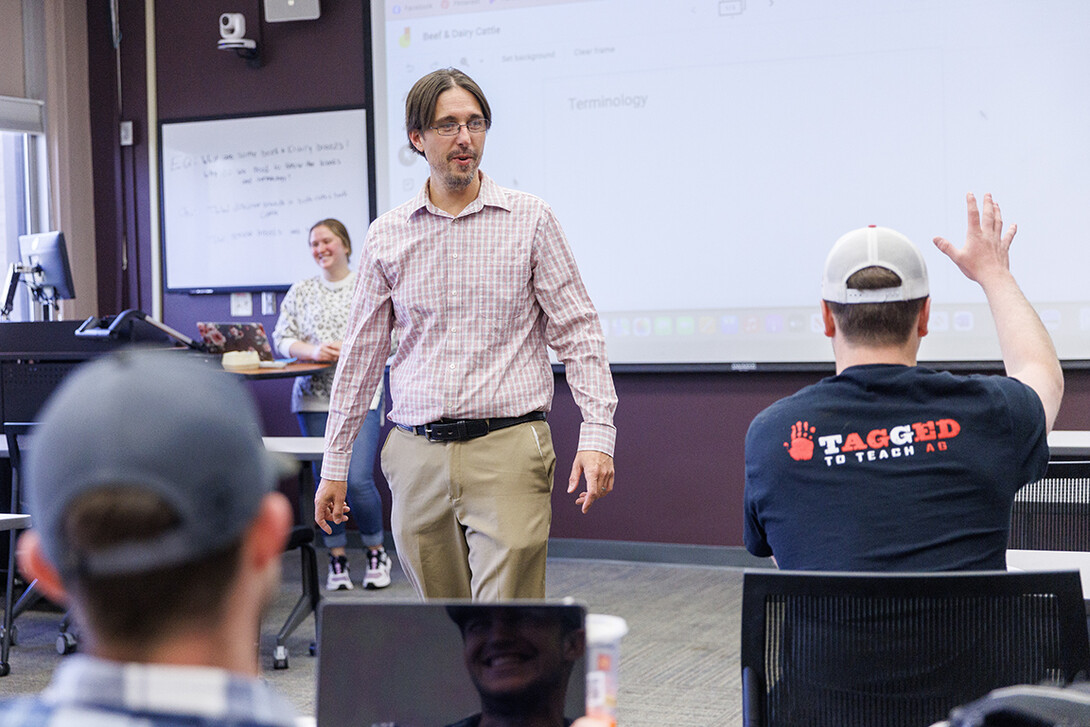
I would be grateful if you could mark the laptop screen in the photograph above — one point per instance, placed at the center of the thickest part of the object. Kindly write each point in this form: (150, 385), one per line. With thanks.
(223, 337)
(441, 664)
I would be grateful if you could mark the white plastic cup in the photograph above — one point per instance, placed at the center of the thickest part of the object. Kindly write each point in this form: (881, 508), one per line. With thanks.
(604, 634)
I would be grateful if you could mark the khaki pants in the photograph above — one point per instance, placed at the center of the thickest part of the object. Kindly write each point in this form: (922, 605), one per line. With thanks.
(471, 519)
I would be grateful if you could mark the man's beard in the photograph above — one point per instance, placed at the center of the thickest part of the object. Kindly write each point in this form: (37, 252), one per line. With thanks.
(459, 181)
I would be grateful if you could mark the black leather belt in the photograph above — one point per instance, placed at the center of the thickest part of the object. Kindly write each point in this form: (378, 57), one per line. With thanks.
(455, 430)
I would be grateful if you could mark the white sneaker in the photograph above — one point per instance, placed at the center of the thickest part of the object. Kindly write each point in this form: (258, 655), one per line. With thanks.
(378, 570)
(338, 578)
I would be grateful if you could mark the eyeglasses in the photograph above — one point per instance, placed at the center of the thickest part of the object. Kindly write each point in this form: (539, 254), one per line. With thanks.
(475, 126)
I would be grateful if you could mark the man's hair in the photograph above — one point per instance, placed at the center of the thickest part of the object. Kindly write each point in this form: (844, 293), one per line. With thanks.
(569, 619)
(876, 324)
(424, 96)
(139, 608)
(338, 229)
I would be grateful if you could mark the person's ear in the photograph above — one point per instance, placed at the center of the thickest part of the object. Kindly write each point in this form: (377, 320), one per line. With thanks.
(827, 318)
(36, 567)
(268, 533)
(925, 317)
(417, 139)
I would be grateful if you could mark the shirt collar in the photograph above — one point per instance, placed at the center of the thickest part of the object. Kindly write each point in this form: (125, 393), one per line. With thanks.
(347, 281)
(490, 195)
(86, 681)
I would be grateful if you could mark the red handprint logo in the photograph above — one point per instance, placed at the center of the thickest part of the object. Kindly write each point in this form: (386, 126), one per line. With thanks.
(801, 446)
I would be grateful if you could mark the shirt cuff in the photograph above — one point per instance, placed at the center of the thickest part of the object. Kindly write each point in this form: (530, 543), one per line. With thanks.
(335, 466)
(597, 437)
(284, 349)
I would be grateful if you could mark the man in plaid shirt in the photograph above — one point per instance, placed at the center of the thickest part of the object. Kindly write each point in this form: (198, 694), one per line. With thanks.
(478, 281)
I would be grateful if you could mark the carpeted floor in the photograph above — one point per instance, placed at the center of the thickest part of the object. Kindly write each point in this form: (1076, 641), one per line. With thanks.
(679, 662)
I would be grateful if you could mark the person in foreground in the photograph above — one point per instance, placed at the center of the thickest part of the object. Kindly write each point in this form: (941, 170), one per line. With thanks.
(156, 522)
(520, 660)
(312, 321)
(893, 466)
(478, 281)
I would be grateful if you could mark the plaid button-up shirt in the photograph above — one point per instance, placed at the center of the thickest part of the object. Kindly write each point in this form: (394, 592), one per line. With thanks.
(475, 299)
(89, 691)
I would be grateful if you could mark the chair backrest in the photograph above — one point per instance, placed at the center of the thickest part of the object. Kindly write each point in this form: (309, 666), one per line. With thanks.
(855, 649)
(1053, 513)
(12, 432)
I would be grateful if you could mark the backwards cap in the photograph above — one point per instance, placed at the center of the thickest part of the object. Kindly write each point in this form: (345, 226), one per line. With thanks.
(869, 247)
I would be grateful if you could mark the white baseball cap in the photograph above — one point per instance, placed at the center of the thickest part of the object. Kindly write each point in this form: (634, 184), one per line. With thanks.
(874, 246)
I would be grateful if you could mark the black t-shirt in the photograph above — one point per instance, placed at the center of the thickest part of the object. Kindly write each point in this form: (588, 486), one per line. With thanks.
(887, 467)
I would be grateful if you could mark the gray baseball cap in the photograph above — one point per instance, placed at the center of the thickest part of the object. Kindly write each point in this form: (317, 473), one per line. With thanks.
(165, 422)
(869, 247)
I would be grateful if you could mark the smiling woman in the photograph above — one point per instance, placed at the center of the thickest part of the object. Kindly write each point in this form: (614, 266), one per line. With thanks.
(313, 320)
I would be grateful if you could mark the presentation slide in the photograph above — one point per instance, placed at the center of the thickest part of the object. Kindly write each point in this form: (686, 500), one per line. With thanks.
(704, 155)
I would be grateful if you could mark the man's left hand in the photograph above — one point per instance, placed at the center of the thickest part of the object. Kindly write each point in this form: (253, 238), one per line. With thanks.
(597, 468)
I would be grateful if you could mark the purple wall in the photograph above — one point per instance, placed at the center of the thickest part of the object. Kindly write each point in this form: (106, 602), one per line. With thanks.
(680, 436)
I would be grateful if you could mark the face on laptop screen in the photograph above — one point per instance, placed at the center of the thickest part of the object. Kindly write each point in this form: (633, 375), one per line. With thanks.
(443, 665)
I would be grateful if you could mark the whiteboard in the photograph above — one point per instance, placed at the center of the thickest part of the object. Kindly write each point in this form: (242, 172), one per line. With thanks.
(239, 196)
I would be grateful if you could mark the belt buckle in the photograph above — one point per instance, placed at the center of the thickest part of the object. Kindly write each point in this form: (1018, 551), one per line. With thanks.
(445, 431)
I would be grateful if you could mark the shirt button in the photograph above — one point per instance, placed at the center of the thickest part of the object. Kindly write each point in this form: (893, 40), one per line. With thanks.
(453, 366)
(454, 255)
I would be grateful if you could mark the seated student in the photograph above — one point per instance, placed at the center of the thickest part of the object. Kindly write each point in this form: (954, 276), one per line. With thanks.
(893, 466)
(155, 520)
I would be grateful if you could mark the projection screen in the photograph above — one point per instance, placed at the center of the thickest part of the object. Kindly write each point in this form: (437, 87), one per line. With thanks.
(703, 155)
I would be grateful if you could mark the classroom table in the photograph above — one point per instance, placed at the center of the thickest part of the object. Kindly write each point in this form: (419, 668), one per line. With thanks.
(1062, 444)
(298, 368)
(1069, 443)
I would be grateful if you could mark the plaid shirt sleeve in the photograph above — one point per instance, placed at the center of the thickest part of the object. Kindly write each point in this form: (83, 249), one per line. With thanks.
(574, 331)
(364, 351)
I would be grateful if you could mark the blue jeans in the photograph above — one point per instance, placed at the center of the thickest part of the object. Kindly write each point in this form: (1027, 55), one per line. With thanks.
(362, 495)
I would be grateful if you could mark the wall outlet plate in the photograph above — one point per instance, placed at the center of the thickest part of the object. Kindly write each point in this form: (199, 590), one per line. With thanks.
(268, 303)
(279, 11)
(242, 304)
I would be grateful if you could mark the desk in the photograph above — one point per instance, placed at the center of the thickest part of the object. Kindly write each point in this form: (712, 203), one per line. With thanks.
(1069, 443)
(304, 449)
(1046, 560)
(9, 521)
(1062, 444)
(299, 368)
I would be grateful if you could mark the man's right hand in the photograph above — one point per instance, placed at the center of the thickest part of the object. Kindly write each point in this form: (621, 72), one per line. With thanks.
(1027, 350)
(329, 504)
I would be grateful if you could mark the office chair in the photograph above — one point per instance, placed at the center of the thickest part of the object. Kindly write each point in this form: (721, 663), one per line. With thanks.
(66, 638)
(1054, 512)
(302, 537)
(863, 649)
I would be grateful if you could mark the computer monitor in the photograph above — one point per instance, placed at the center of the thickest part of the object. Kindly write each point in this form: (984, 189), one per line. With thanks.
(50, 276)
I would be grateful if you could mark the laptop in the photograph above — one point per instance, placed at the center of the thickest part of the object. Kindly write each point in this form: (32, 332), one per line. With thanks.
(223, 337)
(407, 664)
